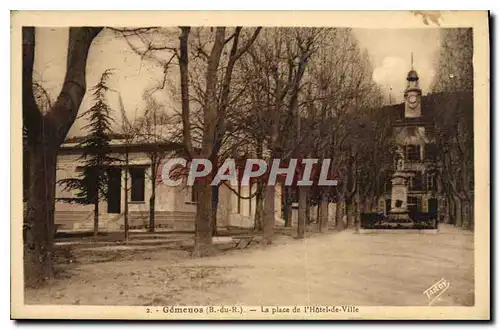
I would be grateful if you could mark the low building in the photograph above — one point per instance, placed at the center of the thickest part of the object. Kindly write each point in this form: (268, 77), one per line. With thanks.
(175, 206)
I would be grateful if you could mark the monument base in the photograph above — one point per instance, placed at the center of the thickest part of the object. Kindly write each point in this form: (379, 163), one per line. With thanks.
(399, 217)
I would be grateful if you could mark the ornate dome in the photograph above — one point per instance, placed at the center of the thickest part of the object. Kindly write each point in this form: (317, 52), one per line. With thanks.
(412, 75)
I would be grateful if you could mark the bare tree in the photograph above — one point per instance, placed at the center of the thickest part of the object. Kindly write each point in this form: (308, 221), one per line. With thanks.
(453, 123)
(214, 109)
(153, 128)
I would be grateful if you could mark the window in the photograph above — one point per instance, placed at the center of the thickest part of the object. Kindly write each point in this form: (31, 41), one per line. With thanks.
(138, 184)
(416, 181)
(412, 152)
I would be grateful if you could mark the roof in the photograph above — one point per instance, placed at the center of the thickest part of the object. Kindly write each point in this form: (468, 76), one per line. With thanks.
(412, 75)
(72, 146)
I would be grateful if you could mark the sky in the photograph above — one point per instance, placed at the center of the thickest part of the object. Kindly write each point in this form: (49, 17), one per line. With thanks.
(390, 52)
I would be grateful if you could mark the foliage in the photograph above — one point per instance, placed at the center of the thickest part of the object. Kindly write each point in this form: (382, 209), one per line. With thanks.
(91, 185)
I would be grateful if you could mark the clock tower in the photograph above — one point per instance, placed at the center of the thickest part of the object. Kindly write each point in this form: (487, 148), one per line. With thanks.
(413, 94)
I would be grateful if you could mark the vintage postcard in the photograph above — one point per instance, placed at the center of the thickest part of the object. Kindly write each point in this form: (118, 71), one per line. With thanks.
(250, 165)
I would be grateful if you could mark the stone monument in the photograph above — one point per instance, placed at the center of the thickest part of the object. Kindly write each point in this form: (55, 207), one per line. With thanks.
(399, 194)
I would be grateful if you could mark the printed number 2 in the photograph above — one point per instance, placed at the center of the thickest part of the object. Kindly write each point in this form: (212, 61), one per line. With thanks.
(148, 310)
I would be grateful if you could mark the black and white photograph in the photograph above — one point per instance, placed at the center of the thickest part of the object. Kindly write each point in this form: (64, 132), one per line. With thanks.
(251, 170)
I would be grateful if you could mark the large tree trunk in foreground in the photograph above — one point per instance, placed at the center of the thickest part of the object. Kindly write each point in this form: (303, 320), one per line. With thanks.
(203, 236)
(302, 214)
(45, 133)
(203, 225)
(39, 222)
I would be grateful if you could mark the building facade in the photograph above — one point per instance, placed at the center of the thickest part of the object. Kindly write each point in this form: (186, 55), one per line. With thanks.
(415, 145)
(175, 206)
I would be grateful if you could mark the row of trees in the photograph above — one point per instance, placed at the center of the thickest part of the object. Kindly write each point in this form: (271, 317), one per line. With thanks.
(252, 92)
(452, 109)
(274, 93)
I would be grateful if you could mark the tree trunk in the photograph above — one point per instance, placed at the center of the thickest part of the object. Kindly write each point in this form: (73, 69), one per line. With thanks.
(45, 132)
(39, 222)
(286, 210)
(203, 225)
(259, 196)
(152, 205)
(444, 211)
(269, 214)
(259, 209)
(302, 214)
(203, 236)
(308, 212)
(451, 210)
(152, 199)
(96, 218)
(184, 77)
(318, 212)
(339, 222)
(215, 204)
(323, 212)
(466, 214)
(471, 214)
(290, 216)
(125, 211)
(458, 212)
(350, 212)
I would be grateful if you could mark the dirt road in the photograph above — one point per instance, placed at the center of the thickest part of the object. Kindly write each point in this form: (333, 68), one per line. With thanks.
(336, 268)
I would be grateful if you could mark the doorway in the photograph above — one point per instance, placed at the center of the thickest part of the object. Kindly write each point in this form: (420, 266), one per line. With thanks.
(114, 190)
